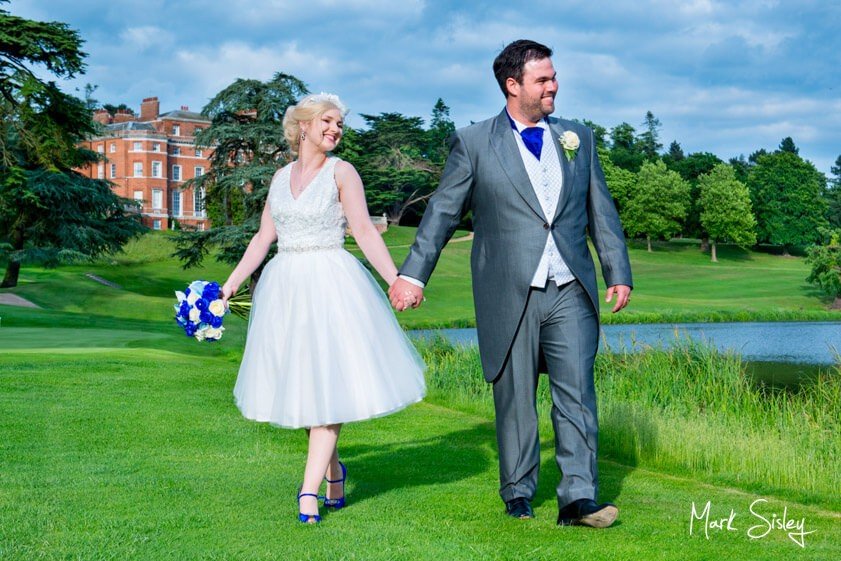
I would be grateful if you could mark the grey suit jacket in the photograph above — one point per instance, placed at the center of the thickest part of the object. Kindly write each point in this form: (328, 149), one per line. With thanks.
(485, 174)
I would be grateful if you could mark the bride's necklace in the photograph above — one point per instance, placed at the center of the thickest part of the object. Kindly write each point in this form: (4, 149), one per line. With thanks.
(305, 177)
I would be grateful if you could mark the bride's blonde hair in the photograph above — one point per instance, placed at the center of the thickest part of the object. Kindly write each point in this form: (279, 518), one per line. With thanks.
(309, 108)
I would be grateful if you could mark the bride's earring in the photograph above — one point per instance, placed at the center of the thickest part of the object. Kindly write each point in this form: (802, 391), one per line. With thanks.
(303, 136)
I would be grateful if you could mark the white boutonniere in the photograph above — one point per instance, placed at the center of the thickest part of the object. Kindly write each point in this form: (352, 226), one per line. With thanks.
(570, 143)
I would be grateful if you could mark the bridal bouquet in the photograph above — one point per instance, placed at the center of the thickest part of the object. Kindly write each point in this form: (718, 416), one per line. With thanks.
(200, 310)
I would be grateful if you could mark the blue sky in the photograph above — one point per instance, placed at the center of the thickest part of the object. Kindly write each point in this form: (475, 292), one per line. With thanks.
(725, 77)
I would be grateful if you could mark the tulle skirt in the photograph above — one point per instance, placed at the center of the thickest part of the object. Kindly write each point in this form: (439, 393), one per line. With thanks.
(324, 346)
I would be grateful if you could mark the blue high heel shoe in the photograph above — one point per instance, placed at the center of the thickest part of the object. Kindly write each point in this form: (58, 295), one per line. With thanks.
(307, 518)
(340, 502)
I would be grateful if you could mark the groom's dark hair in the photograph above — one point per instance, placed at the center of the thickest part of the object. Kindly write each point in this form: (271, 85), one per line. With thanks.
(513, 58)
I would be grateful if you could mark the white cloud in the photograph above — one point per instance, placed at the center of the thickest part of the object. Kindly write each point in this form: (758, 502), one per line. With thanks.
(146, 37)
(214, 68)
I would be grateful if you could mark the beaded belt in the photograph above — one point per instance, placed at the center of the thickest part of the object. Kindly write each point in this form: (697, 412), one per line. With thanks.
(308, 248)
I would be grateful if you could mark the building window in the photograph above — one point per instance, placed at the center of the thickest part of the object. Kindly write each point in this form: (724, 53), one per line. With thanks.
(156, 224)
(112, 147)
(100, 171)
(176, 151)
(156, 147)
(137, 147)
(198, 201)
(197, 130)
(176, 130)
(199, 153)
(138, 196)
(100, 148)
(138, 169)
(176, 203)
(156, 169)
(113, 171)
(157, 199)
(176, 173)
(199, 171)
(201, 226)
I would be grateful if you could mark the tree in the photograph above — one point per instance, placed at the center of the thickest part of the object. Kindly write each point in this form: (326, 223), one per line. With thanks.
(620, 182)
(741, 167)
(658, 204)
(690, 169)
(787, 145)
(675, 154)
(625, 152)
(246, 133)
(825, 260)
(786, 194)
(649, 140)
(50, 213)
(726, 214)
(599, 132)
(440, 128)
(833, 196)
(399, 161)
(113, 109)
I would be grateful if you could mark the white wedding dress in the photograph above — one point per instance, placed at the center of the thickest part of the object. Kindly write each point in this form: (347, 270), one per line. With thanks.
(323, 344)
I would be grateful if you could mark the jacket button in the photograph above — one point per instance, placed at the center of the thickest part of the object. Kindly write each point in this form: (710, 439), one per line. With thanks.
(546, 226)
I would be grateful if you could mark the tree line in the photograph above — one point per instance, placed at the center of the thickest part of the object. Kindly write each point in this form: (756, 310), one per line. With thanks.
(50, 214)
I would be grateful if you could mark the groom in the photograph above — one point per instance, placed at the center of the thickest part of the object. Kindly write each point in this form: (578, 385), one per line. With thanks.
(536, 189)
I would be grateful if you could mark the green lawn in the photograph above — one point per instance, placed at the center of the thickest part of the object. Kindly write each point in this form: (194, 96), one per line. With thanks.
(119, 438)
(141, 454)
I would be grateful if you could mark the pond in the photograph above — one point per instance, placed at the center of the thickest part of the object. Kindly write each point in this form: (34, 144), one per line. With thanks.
(777, 353)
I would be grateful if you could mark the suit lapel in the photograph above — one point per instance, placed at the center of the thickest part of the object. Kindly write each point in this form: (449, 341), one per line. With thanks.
(567, 167)
(503, 143)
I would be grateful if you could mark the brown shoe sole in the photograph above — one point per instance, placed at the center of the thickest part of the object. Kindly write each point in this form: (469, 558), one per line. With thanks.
(599, 519)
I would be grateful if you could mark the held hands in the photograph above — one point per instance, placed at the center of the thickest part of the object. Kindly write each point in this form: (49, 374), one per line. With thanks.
(623, 296)
(404, 294)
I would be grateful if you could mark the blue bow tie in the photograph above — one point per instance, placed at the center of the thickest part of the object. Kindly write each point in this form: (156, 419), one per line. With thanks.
(532, 138)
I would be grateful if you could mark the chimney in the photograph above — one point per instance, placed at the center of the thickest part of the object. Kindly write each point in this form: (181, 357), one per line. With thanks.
(101, 116)
(123, 117)
(184, 108)
(149, 109)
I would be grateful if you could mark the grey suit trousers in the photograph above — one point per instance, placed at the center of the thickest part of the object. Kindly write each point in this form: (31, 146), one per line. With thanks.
(561, 323)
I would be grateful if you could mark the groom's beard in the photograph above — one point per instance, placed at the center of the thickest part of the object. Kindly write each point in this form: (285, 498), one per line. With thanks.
(537, 108)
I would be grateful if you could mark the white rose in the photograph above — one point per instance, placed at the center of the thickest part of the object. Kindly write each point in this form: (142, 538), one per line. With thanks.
(570, 140)
(217, 308)
(194, 315)
(201, 334)
(191, 299)
(214, 332)
(180, 295)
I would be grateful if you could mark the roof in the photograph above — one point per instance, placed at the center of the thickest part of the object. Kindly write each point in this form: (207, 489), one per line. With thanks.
(184, 115)
(129, 126)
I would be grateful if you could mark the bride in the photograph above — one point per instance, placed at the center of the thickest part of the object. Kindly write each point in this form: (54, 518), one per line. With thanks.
(323, 345)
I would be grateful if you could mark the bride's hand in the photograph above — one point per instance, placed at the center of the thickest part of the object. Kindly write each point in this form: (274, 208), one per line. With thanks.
(228, 290)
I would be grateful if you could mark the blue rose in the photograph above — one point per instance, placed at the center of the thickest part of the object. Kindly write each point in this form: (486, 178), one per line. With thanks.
(211, 291)
(184, 310)
(190, 328)
(216, 322)
(206, 316)
(202, 304)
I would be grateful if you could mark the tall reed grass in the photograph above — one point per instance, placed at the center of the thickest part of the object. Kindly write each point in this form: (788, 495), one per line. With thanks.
(690, 410)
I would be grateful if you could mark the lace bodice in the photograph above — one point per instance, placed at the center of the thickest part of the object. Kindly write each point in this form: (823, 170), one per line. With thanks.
(315, 219)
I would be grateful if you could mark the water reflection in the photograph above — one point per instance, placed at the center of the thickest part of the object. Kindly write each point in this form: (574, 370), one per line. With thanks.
(778, 354)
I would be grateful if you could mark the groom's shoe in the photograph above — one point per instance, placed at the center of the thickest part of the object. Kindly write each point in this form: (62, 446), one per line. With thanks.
(519, 508)
(585, 512)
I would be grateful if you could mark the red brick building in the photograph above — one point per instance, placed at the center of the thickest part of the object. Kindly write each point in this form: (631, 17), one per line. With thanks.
(149, 157)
